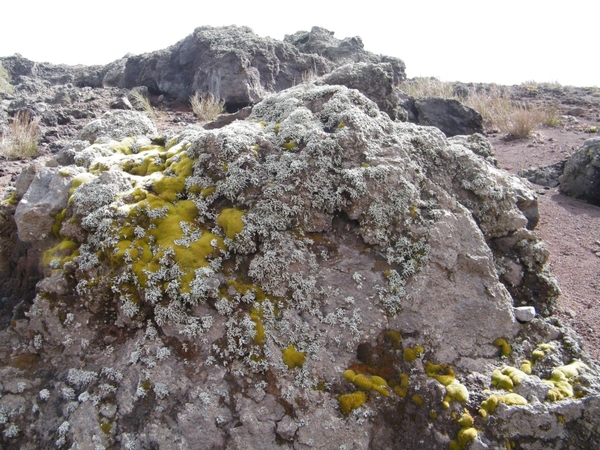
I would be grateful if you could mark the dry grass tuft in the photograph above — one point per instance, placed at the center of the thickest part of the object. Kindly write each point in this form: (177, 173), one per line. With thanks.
(494, 104)
(143, 102)
(21, 139)
(206, 107)
(427, 87)
(5, 86)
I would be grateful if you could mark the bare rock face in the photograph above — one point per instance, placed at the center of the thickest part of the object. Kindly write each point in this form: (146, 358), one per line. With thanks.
(581, 176)
(314, 276)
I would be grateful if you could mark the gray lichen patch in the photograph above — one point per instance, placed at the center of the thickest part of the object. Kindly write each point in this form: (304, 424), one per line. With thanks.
(224, 282)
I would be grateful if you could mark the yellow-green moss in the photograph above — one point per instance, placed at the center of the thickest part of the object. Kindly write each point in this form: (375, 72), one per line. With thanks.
(466, 420)
(396, 339)
(79, 180)
(542, 350)
(441, 372)
(230, 220)
(349, 402)
(11, 200)
(561, 381)
(526, 367)
(517, 376)
(58, 220)
(367, 383)
(290, 145)
(505, 349)
(293, 358)
(410, 354)
(417, 400)
(501, 380)
(489, 405)
(402, 389)
(456, 391)
(257, 317)
(465, 435)
(62, 252)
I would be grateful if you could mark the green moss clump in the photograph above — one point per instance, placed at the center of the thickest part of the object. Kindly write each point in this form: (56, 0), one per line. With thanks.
(290, 145)
(402, 389)
(465, 435)
(502, 381)
(349, 402)
(79, 180)
(58, 220)
(517, 376)
(62, 252)
(367, 383)
(230, 220)
(489, 405)
(11, 200)
(441, 372)
(396, 339)
(257, 317)
(293, 358)
(410, 354)
(456, 391)
(417, 400)
(542, 350)
(505, 348)
(526, 367)
(561, 381)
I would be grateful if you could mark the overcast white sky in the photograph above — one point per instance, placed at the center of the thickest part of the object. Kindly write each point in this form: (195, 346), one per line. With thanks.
(506, 42)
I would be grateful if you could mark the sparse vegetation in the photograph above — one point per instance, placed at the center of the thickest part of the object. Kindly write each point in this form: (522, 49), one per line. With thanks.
(498, 110)
(5, 86)
(205, 106)
(21, 139)
(428, 87)
(142, 101)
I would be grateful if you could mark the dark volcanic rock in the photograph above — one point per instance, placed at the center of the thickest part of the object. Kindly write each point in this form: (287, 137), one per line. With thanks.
(581, 178)
(237, 66)
(450, 116)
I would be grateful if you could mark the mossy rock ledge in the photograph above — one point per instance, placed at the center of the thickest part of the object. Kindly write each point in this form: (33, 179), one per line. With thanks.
(314, 276)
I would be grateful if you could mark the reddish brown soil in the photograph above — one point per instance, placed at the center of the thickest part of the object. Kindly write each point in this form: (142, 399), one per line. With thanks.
(569, 227)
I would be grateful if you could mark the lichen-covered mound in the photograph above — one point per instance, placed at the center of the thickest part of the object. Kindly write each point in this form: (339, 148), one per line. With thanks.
(316, 276)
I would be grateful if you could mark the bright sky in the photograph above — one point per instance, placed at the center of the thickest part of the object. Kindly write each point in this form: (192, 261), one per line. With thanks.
(506, 42)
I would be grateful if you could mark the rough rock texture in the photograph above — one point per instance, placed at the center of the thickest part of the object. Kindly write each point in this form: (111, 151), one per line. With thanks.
(239, 67)
(581, 176)
(376, 81)
(545, 175)
(314, 276)
(449, 115)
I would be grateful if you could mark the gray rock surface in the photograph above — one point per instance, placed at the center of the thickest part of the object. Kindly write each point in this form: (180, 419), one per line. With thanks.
(313, 276)
(376, 81)
(581, 176)
(117, 125)
(239, 67)
(449, 115)
(545, 175)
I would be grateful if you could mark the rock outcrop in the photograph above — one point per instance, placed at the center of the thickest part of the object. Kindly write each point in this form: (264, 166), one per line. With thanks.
(239, 67)
(313, 276)
(581, 176)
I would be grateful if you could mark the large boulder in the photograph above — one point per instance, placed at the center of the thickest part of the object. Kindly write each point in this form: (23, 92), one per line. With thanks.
(314, 276)
(449, 115)
(581, 175)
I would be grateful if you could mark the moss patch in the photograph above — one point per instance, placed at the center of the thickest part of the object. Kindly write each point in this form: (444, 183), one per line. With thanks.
(293, 358)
